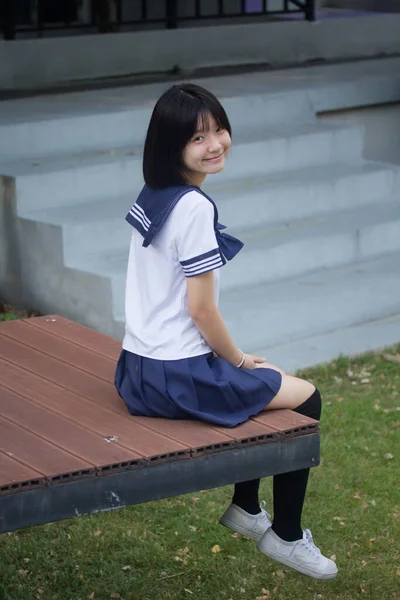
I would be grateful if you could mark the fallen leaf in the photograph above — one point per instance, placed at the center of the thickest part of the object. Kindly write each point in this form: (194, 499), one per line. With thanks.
(333, 557)
(389, 456)
(357, 496)
(97, 533)
(280, 574)
(215, 549)
(188, 591)
(115, 595)
(392, 358)
(91, 596)
(363, 563)
(127, 568)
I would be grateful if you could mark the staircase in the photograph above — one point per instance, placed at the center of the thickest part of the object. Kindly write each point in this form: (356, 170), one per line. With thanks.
(320, 272)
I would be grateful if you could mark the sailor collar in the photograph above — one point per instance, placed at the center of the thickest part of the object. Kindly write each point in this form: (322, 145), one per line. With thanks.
(153, 207)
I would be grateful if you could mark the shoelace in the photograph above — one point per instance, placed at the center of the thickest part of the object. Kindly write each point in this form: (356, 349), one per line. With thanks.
(308, 543)
(265, 514)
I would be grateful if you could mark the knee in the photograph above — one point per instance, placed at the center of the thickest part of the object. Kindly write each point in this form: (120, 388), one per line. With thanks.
(312, 406)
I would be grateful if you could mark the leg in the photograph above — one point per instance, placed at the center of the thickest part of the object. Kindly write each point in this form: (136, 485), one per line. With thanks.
(290, 488)
(293, 393)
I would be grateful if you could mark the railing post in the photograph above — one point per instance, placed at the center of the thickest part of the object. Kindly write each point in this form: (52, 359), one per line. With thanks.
(40, 18)
(310, 10)
(172, 14)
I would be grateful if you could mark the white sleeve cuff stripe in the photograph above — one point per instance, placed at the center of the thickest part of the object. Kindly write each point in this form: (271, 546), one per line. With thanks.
(204, 256)
(202, 259)
(202, 262)
(204, 270)
(204, 266)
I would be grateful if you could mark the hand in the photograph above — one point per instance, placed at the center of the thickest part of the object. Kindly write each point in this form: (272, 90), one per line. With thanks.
(252, 362)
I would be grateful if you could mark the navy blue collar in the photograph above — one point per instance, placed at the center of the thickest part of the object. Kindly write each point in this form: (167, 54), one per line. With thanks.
(153, 207)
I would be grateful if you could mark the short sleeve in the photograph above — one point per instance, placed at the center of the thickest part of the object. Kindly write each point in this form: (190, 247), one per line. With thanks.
(198, 250)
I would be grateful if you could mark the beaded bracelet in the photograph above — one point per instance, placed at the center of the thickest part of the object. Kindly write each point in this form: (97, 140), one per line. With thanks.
(241, 363)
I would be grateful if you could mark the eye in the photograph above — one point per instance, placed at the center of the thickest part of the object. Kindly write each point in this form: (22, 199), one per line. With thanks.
(198, 138)
(220, 129)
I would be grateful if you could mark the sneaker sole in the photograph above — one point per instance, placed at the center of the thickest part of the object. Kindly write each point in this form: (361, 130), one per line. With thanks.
(242, 530)
(285, 561)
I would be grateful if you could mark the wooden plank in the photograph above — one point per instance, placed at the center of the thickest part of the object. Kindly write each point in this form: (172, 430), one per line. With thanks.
(195, 434)
(36, 453)
(13, 472)
(287, 421)
(70, 378)
(51, 426)
(248, 430)
(61, 349)
(90, 414)
(78, 334)
(158, 481)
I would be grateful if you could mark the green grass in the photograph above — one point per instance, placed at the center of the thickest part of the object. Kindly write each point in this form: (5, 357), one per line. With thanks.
(164, 550)
(8, 316)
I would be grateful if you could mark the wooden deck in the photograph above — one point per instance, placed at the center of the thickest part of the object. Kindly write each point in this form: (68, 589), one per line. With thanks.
(67, 441)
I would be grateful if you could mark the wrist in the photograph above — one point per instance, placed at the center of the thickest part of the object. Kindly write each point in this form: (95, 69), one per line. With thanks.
(240, 363)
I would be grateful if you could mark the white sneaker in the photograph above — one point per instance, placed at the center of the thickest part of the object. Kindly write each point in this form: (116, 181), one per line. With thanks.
(252, 526)
(302, 555)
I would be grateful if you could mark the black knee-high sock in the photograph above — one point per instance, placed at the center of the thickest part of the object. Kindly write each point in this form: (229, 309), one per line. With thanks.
(246, 496)
(290, 488)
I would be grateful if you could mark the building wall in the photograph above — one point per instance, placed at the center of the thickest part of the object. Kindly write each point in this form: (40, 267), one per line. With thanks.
(37, 64)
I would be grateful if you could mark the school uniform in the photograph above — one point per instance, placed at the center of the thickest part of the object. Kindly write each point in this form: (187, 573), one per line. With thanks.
(166, 368)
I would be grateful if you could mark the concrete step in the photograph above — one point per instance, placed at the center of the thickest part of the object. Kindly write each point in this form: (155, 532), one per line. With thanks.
(308, 305)
(64, 123)
(260, 316)
(53, 182)
(298, 246)
(98, 226)
(282, 251)
(349, 341)
(99, 128)
(303, 192)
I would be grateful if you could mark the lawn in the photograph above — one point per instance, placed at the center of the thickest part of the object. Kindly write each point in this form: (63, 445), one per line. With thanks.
(9, 313)
(174, 549)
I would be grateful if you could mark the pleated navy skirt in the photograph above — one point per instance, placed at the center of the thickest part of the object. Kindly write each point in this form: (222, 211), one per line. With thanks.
(203, 387)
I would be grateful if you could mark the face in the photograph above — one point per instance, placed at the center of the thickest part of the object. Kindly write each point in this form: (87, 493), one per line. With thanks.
(206, 151)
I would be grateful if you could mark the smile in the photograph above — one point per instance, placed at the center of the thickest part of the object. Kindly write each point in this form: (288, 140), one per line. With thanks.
(215, 159)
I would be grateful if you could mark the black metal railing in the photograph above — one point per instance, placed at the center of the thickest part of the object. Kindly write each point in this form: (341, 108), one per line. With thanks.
(37, 17)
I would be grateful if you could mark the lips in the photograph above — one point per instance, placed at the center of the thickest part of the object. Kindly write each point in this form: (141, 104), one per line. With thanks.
(215, 158)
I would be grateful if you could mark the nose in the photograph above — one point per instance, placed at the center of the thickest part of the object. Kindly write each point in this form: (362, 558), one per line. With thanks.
(215, 145)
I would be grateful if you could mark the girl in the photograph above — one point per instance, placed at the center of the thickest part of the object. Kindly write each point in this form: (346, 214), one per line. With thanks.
(178, 360)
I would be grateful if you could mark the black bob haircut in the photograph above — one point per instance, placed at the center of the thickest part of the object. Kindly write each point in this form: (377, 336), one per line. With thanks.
(174, 120)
